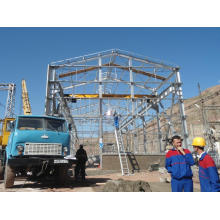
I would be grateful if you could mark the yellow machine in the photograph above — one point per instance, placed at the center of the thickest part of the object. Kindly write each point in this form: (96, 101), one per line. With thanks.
(5, 123)
(25, 99)
(5, 131)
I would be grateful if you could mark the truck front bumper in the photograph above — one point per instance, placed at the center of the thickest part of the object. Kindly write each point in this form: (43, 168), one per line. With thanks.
(38, 161)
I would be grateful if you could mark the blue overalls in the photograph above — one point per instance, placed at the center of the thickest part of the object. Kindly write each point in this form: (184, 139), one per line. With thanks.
(116, 122)
(208, 174)
(179, 167)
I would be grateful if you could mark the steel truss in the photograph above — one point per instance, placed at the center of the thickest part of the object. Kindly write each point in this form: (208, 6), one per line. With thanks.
(10, 103)
(146, 94)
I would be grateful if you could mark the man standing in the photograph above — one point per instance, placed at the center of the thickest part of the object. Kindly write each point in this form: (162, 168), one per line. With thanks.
(208, 174)
(178, 163)
(116, 120)
(81, 157)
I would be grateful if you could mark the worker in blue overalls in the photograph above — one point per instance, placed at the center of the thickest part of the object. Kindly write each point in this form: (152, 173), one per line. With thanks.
(208, 173)
(178, 164)
(116, 120)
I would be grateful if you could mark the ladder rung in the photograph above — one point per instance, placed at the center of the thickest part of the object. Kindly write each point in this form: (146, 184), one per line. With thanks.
(122, 154)
(125, 167)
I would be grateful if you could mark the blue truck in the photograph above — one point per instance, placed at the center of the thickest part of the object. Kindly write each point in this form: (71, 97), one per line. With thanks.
(38, 145)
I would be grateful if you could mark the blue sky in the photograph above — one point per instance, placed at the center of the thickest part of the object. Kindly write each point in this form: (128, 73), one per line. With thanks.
(26, 52)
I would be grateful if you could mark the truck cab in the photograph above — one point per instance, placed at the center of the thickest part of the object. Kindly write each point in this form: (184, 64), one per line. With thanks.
(37, 145)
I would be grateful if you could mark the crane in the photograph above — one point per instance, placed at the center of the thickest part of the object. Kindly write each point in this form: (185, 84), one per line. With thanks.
(25, 99)
(9, 113)
(5, 128)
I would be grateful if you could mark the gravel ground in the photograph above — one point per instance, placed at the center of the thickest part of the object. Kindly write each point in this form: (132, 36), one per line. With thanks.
(95, 181)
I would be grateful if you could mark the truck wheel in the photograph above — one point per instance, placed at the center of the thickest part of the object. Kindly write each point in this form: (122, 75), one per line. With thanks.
(62, 175)
(1, 171)
(9, 176)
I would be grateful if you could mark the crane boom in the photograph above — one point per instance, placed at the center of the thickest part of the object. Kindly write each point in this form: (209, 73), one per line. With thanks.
(25, 99)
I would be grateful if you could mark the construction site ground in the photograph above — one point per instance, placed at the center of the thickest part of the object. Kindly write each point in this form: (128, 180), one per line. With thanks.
(95, 180)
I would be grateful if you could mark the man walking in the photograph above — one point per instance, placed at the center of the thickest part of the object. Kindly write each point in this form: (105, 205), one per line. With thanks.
(178, 163)
(208, 174)
(81, 157)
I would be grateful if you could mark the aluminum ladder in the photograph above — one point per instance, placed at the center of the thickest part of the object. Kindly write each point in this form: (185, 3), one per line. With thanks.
(122, 154)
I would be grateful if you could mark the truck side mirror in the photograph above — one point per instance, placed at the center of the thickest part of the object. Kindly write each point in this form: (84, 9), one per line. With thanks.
(11, 125)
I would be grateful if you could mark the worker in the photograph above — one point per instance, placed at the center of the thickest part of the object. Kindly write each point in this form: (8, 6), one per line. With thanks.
(81, 157)
(116, 121)
(208, 174)
(178, 164)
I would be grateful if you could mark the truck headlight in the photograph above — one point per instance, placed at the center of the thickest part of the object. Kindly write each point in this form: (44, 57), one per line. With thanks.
(65, 150)
(20, 149)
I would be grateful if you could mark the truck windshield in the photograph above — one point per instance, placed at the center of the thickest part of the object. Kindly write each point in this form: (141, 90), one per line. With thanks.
(50, 124)
(55, 125)
(30, 123)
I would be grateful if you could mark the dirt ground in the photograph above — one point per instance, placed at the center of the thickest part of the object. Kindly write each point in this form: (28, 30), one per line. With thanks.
(95, 180)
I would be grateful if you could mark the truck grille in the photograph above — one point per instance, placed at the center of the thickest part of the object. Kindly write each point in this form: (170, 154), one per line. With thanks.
(42, 149)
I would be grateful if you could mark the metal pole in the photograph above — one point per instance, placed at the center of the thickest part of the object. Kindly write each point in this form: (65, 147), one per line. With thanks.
(204, 119)
(205, 124)
(132, 103)
(182, 111)
(9, 110)
(49, 101)
(158, 129)
(144, 135)
(100, 111)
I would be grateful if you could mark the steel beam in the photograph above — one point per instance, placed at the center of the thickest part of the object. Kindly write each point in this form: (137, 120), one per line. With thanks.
(159, 81)
(100, 109)
(182, 111)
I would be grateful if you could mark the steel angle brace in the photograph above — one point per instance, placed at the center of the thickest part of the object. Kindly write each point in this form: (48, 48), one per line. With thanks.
(161, 96)
(64, 104)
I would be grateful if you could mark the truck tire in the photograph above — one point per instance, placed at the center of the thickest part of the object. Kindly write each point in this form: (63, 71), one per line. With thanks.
(62, 175)
(1, 171)
(9, 176)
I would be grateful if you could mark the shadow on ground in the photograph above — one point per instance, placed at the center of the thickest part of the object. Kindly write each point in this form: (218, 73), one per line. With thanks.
(49, 183)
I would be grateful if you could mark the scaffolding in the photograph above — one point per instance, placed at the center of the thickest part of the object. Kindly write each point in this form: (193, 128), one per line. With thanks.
(142, 90)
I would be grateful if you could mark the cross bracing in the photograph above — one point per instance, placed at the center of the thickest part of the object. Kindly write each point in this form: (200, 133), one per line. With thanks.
(10, 102)
(146, 93)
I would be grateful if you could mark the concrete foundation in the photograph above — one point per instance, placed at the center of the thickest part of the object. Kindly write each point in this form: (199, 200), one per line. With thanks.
(135, 162)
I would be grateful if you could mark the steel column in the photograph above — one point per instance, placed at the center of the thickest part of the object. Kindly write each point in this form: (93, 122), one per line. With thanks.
(182, 111)
(49, 89)
(100, 109)
(158, 128)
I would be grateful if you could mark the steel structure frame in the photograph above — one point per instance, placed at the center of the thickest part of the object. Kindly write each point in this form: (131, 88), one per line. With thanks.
(10, 102)
(142, 90)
